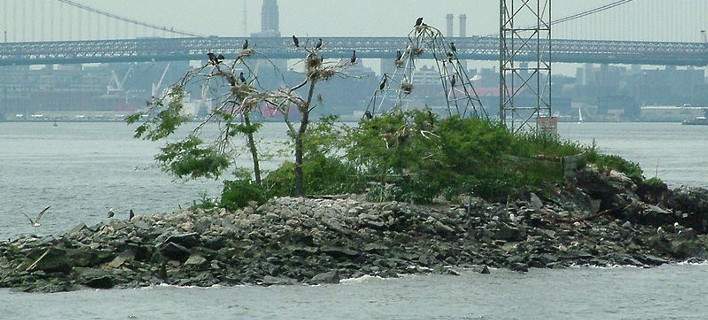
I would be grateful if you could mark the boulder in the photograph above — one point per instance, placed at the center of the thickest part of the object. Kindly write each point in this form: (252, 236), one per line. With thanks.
(97, 279)
(51, 260)
(277, 281)
(187, 240)
(331, 277)
(175, 251)
(196, 261)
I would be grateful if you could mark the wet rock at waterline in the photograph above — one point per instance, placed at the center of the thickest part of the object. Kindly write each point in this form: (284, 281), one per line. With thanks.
(606, 219)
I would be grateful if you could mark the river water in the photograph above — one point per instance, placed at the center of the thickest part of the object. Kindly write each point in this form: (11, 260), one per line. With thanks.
(82, 169)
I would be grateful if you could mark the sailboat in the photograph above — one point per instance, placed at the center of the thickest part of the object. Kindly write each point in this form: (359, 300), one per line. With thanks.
(580, 116)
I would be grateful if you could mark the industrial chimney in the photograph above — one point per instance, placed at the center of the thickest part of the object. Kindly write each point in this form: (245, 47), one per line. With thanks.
(450, 18)
(463, 25)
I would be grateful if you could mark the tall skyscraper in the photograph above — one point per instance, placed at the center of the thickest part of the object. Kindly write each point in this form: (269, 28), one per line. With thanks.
(270, 17)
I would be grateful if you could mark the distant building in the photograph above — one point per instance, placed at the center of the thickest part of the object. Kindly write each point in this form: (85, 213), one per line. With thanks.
(270, 20)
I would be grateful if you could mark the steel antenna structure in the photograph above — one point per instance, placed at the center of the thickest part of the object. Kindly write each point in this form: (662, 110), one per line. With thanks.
(427, 42)
(525, 88)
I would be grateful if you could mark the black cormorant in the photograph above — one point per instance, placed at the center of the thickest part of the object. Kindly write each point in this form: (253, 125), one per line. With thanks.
(419, 22)
(453, 47)
(318, 46)
(399, 55)
(212, 57)
(383, 82)
(131, 215)
(242, 77)
(368, 115)
(453, 81)
(296, 41)
(353, 60)
(245, 45)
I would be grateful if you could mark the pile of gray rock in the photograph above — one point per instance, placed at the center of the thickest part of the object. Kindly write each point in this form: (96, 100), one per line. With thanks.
(605, 219)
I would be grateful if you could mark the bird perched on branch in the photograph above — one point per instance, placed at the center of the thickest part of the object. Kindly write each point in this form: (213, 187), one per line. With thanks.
(382, 86)
(399, 55)
(242, 78)
(215, 59)
(453, 47)
(453, 81)
(296, 41)
(35, 222)
(353, 59)
(419, 22)
(368, 115)
(245, 45)
(318, 46)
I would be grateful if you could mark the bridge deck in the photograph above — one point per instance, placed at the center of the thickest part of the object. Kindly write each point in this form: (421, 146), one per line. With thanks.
(472, 48)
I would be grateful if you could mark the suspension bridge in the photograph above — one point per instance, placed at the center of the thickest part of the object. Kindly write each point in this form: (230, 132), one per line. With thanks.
(69, 32)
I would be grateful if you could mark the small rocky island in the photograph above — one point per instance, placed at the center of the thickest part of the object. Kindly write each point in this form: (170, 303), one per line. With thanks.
(603, 219)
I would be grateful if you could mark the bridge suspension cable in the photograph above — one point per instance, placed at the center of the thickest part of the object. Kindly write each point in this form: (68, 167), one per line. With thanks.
(128, 20)
(590, 12)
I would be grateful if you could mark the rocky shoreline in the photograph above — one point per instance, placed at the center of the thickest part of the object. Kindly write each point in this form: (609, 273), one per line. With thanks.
(602, 219)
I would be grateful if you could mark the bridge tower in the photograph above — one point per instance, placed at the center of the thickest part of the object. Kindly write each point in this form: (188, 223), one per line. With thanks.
(525, 88)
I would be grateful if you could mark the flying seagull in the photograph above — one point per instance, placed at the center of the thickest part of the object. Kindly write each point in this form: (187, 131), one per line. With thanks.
(35, 223)
(419, 22)
(353, 60)
(242, 77)
(318, 46)
(245, 45)
(131, 215)
(296, 41)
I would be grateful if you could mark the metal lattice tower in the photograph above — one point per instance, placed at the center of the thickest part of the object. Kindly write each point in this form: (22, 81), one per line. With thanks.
(525, 88)
(424, 41)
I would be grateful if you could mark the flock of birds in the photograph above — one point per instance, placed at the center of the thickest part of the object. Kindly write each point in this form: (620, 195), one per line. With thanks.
(36, 221)
(217, 59)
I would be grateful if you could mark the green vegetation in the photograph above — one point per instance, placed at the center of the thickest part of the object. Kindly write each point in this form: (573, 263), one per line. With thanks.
(411, 156)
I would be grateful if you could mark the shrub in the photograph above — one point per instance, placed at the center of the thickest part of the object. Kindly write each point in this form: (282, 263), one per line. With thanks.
(617, 163)
(237, 194)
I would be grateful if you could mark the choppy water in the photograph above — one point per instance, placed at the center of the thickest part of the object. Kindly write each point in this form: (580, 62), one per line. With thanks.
(670, 292)
(83, 169)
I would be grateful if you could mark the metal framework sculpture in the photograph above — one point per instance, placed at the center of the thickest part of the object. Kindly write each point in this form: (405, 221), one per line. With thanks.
(525, 88)
(425, 41)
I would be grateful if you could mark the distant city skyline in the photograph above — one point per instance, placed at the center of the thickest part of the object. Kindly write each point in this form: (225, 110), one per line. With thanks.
(660, 20)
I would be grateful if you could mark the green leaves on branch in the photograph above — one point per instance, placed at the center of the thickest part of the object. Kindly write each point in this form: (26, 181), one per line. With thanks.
(189, 158)
(163, 117)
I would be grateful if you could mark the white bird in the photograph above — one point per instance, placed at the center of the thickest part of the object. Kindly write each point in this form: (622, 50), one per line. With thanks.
(35, 222)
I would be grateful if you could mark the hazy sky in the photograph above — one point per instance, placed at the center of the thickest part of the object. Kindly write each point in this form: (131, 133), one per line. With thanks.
(678, 20)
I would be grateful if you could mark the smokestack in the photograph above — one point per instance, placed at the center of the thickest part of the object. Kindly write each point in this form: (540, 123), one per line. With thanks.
(450, 18)
(463, 25)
